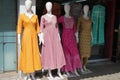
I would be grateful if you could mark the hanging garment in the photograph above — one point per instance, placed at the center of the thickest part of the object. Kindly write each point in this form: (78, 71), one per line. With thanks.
(69, 44)
(29, 54)
(56, 9)
(98, 18)
(84, 27)
(52, 52)
(75, 10)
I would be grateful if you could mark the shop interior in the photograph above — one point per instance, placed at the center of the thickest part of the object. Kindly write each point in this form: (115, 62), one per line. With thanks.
(98, 51)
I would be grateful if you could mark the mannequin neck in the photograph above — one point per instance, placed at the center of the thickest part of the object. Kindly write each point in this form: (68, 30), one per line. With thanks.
(49, 14)
(67, 15)
(86, 16)
(29, 13)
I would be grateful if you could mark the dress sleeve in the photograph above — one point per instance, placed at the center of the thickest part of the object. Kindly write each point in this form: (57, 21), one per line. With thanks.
(38, 26)
(60, 19)
(42, 21)
(78, 23)
(19, 25)
(74, 26)
(57, 27)
(91, 24)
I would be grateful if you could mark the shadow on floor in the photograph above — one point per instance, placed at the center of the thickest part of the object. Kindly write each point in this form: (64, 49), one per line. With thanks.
(98, 69)
(101, 68)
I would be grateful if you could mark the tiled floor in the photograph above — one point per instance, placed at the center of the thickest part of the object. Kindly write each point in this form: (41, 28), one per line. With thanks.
(13, 76)
(8, 76)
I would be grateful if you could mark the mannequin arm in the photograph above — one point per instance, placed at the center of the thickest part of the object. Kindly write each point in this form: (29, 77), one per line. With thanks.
(59, 36)
(76, 35)
(41, 35)
(58, 31)
(60, 19)
(74, 26)
(19, 39)
(41, 38)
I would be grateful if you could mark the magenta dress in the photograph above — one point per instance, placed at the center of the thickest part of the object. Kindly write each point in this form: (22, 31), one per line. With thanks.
(69, 44)
(52, 53)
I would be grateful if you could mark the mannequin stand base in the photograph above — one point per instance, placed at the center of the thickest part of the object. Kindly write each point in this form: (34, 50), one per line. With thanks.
(87, 71)
(70, 74)
(60, 76)
(84, 68)
(54, 78)
(76, 73)
(65, 76)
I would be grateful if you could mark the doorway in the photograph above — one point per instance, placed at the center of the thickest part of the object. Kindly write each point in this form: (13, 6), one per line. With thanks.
(98, 51)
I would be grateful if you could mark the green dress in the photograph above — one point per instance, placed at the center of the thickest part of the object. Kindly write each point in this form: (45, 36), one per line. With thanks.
(98, 18)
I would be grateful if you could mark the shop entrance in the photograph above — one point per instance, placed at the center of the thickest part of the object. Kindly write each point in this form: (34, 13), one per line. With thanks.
(102, 51)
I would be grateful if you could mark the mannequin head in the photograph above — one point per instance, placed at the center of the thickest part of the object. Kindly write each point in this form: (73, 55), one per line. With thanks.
(86, 9)
(28, 5)
(48, 7)
(67, 8)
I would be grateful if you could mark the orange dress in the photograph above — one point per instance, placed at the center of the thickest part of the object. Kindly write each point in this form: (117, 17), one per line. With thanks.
(29, 55)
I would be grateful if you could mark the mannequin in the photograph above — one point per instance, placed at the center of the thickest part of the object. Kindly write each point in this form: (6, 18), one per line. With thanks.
(84, 28)
(29, 22)
(50, 37)
(69, 43)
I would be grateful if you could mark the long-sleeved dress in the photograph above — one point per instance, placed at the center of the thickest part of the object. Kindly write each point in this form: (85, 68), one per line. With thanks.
(69, 44)
(29, 55)
(98, 19)
(52, 52)
(84, 27)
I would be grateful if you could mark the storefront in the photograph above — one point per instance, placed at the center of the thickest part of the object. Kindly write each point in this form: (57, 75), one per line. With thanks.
(99, 51)
(9, 54)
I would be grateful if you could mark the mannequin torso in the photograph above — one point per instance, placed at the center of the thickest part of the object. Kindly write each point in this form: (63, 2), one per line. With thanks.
(49, 15)
(29, 14)
(86, 17)
(28, 6)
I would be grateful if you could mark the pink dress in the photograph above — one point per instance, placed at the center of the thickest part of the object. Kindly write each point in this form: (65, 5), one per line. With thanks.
(69, 44)
(52, 53)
